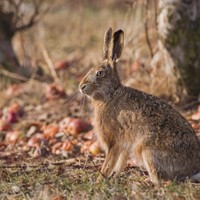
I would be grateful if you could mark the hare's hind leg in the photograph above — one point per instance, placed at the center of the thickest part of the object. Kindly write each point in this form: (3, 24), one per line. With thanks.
(150, 167)
(121, 162)
(110, 161)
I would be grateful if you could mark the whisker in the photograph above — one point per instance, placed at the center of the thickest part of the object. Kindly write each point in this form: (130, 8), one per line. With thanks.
(82, 106)
(72, 97)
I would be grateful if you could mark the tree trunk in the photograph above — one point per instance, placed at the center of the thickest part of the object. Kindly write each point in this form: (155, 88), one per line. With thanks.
(7, 55)
(12, 20)
(179, 35)
(8, 58)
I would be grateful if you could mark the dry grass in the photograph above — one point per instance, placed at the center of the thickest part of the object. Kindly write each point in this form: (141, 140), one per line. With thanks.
(48, 179)
(74, 32)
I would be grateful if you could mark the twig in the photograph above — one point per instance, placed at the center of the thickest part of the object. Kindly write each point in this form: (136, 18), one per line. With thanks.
(47, 58)
(156, 12)
(146, 28)
(32, 19)
(12, 75)
(91, 160)
(35, 18)
(49, 62)
(191, 105)
(45, 11)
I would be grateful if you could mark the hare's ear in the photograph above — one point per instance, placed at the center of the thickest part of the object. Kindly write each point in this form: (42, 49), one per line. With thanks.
(118, 45)
(107, 47)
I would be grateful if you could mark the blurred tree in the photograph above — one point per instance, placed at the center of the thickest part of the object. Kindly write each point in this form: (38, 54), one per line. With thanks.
(14, 18)
(178, 24)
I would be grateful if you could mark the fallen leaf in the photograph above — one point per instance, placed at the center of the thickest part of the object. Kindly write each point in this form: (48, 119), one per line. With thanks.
(54, 91)
(67, 146)
(85, 146)
(56, 146)
(59, 197)
(35, 140)
(4, 125)
(89, 135)
(14, 89)
(195, 126)
(50, 130)
(12, 136)
(196, 116)
(31, 131)
(16, 189)
(39, 151)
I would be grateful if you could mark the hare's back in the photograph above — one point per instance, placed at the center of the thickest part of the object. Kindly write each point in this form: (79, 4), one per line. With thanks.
(165, 131)
(156, 116)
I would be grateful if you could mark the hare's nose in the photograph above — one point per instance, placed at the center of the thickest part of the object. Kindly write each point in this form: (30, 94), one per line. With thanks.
(83, 87)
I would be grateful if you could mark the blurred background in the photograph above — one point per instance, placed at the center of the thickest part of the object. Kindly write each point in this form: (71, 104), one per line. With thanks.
(59, 40)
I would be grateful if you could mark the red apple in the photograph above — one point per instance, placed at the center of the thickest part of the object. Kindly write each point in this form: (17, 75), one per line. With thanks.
(11, 117)
(54, 91)
(56, 146)
(63, 64)
(74, 126)
(50, 131)
(67, 146)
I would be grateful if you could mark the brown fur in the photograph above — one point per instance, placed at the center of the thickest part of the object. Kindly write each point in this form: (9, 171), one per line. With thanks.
(131, 123)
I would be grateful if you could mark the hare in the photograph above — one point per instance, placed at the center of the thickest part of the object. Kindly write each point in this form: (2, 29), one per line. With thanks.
(132, 123)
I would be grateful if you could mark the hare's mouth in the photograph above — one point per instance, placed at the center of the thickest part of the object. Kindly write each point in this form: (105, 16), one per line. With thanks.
(87, 89)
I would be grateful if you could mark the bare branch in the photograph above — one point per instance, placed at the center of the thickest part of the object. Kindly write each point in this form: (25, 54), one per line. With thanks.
(16, 4)
(18, 14)
(32, 19)
(47, 58)
(46, 11)
(35, 16)
(12, 15)
(11, 74)
(146, 28)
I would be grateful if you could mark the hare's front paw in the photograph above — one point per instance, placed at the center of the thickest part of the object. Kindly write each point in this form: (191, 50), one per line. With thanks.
(154, 179)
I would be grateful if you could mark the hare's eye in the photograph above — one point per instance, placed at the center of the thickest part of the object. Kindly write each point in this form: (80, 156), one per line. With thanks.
(100, 73)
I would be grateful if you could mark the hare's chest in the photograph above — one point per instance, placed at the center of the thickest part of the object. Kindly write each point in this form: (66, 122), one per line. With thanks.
(105, 128)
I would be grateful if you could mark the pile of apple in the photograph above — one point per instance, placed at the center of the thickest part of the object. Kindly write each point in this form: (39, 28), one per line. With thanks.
(65, 137)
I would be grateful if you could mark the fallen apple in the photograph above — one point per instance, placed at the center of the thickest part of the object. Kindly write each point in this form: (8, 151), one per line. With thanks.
(54, 91)
(35, 140)
(94, 148)
(67, 146)
(56, 146)
(74, 126)
(50, 130)
(12, 136)
(11, 117)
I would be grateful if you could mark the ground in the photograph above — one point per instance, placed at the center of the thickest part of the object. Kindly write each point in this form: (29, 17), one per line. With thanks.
(48, 148)
(42, 155)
